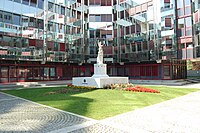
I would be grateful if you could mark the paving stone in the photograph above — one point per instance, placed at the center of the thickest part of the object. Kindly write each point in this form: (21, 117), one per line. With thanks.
(179, 115)
(5, 97)
(98, 128)
(22, 116)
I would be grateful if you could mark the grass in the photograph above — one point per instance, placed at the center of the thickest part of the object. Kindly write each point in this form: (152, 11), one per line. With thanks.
(101, 103)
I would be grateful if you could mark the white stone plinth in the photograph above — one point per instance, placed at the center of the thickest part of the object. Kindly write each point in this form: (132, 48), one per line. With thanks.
(100, 70)
(98, 82)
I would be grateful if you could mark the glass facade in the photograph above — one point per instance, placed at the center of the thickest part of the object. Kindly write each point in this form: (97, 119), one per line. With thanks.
(42, 30)
(67, 32)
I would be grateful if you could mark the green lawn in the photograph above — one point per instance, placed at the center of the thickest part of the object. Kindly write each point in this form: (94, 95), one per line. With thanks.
(101, 103)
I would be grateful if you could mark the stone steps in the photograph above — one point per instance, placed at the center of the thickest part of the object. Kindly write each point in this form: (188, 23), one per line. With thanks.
(161, 82)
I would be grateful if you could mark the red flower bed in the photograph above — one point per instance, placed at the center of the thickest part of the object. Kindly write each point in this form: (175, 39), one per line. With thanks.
(141, 89)
(69, 85)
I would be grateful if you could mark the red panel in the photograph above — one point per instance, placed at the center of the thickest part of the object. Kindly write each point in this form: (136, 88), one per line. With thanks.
(107, 49)
(137, 71)
(32, 42)
(3, 52)
(148, 71)
(39, 43)
(154, 70)
(59, 72)
(115, 32)
(109, 3)
(196, 17)
(142, 71)
(62, 47)
(166, 1)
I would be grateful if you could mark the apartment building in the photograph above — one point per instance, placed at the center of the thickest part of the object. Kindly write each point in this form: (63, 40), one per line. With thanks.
(57, 39)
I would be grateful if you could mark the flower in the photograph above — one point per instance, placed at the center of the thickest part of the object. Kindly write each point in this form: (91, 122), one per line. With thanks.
(141, 89)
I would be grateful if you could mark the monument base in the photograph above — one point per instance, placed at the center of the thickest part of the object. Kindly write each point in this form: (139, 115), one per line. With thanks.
(100, 71)
(98, 82)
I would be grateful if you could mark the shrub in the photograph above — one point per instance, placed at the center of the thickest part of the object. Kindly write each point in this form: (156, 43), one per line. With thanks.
(118, 86)
(80, 87)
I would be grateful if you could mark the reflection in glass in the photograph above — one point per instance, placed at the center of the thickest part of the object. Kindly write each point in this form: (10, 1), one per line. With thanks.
(16, 19)
(187, 2)
(26, 2)
(188, 22)
(41, 4)
(19, 1)
(187, 10)
(179, 3)
(33, 3)
(50, 6)
(7, 17)
(1, 16)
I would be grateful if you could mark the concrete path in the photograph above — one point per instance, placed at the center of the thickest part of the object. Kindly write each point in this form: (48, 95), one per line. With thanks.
(179, 115)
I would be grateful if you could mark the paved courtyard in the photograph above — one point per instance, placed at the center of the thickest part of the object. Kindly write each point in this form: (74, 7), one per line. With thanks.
(179, 115)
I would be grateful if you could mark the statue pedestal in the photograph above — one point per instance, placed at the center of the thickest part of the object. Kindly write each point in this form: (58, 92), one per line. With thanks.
(100, 70)
(99, 79)
(98, 82)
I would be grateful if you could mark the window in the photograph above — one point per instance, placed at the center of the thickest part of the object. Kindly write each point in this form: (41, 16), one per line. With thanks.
(180, 12)
(187, 10)
(57, 9)
(122, 14)
(103, 2)
(133, 29)
(97, 18)
(168, 22)
(50, 6)
(19, 1)
(188, 31)
(106, 18)
(181, 23)
(26, 2)
(16, 19)
(92, 18)
(109, 3)
(97, 2)
(41, 4)
(1, 16)
(187, 2)
(40, 24)
(33, 3)
(4, 72)
(139, 47)
(179, 3)
(98, 33)
(8, 17)
(188, 22)
(168, 42)
(180, 32)
(92, 2)
(62, 10)
(25, 21)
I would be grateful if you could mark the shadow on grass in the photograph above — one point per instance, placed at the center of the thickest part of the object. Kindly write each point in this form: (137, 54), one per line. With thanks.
(55, 97)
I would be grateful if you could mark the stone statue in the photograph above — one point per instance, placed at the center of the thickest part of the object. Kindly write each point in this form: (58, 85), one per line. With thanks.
(100, 54)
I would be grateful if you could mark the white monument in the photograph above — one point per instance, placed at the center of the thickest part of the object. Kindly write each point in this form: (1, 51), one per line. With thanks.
(100, 69)
(100, 77)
